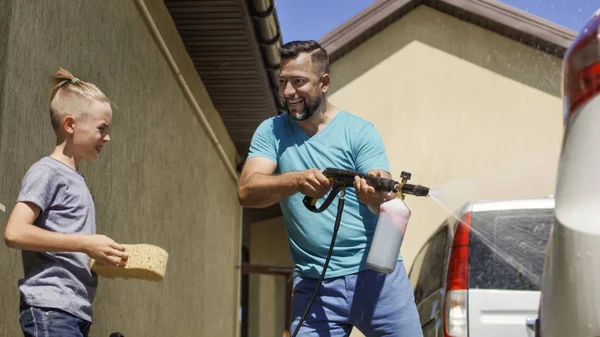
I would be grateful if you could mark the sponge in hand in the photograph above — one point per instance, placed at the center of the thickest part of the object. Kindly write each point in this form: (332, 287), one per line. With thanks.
(144, 262)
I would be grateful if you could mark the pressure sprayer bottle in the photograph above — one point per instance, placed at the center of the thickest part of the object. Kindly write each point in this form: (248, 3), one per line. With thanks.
(389, 233)
(391, 225)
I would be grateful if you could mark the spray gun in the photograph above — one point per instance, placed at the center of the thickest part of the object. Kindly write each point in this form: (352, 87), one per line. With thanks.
(345, 178)
(391, 224)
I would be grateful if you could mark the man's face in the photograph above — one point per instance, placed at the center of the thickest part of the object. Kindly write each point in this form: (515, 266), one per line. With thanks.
(300, 87)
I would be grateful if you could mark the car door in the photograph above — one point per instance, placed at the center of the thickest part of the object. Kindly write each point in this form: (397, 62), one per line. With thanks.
(427, 277)
(506, 258)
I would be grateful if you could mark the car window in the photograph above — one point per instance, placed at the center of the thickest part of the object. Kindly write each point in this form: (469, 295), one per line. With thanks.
(507, 248)
(427, 276)
(417, 265)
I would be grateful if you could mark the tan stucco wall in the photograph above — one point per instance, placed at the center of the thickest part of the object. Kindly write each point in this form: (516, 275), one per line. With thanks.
(456, 102)
(456, 105)
(159, 181)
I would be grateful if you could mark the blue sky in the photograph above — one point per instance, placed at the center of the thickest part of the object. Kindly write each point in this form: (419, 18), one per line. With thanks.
(312, 19)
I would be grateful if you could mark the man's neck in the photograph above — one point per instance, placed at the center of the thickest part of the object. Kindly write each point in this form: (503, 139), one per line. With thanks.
(319, 120)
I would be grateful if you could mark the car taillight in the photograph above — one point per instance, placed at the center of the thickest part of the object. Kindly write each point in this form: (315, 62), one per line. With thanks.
(457, 279)
(581, 79)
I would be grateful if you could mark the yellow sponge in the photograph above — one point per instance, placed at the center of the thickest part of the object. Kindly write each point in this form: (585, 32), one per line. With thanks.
(145, 262)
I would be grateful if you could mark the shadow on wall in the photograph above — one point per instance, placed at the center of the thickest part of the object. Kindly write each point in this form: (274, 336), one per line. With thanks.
(266, 310)
(461, 39)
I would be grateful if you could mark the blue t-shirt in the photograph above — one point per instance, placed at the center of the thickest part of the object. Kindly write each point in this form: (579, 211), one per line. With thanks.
(346, 142)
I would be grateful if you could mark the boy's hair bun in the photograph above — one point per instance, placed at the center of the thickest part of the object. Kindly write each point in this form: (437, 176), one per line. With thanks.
(66, 88)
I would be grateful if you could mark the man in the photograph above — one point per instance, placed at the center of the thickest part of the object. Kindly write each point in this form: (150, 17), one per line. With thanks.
(285, 163)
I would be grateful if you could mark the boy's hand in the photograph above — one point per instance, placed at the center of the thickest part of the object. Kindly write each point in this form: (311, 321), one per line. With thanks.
(104, 250)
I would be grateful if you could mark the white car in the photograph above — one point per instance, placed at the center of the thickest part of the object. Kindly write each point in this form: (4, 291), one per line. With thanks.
(570, 304)
(481, 276)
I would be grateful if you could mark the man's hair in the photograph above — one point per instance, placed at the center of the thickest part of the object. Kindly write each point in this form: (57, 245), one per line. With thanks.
(70, 95)
(319, 56)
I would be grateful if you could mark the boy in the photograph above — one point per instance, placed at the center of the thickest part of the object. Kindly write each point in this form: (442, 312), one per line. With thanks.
(53, 221)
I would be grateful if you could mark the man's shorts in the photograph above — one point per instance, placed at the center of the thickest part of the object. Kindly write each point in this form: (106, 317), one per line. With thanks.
(376, 303)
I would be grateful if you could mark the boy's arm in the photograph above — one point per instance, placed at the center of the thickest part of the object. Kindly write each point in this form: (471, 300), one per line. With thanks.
(21, 233)
(260, 187)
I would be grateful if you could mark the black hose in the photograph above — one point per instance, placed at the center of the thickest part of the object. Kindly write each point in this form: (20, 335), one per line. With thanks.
(336, 227)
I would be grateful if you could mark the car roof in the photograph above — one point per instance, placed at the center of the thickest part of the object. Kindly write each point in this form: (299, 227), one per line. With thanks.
(501, 205)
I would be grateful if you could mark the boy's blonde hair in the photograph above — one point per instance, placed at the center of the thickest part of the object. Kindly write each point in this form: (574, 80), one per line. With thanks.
(70, 96)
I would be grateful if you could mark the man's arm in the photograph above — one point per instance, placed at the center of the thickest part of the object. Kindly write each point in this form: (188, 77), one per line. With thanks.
(371, 158)
(21, 233)
(260, 187)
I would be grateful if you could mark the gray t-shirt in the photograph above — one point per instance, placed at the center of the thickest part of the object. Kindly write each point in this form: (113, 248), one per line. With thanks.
(61, 280)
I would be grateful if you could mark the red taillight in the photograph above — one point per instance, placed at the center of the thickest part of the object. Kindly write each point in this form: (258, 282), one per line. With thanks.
(581, 79)
(457, 280)
(458, 265)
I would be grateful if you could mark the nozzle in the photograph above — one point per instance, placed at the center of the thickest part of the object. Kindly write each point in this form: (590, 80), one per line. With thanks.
(416, 190)
(406, 188)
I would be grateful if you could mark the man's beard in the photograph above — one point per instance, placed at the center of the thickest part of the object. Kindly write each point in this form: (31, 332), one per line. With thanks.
(309, 109)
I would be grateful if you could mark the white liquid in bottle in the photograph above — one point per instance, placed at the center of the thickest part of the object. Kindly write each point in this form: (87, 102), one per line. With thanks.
(389, 233)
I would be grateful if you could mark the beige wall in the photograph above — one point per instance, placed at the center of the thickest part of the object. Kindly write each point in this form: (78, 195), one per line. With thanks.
(159, 181)
(459, 107)
(463, 109)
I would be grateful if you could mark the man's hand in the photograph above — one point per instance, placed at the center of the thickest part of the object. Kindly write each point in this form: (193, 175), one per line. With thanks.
(313, 183)
(367, 194)
(104, 250)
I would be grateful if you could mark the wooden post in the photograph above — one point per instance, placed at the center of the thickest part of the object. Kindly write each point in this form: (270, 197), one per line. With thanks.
(289, 289)
(288, 273)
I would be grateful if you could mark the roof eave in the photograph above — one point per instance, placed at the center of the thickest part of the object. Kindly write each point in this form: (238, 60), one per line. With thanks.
(495, 16)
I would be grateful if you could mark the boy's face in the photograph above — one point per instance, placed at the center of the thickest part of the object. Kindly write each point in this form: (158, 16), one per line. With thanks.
(90, 132)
